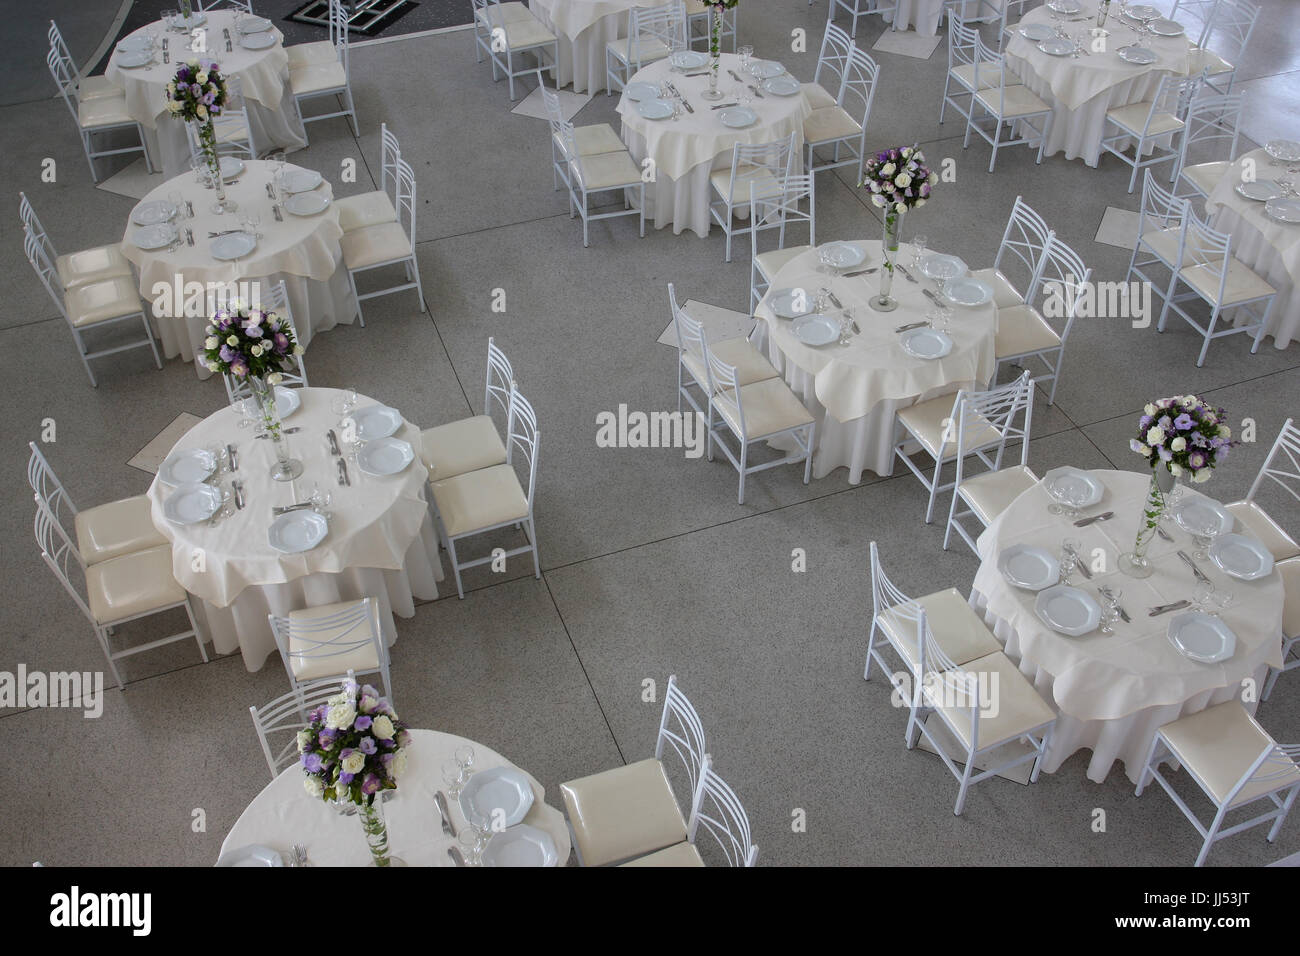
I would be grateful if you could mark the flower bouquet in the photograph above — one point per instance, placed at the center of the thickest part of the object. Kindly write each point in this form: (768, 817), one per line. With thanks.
(197, 94)
(899, 180)
(716, 10)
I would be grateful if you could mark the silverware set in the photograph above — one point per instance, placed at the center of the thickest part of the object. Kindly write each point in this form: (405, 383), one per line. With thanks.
(285, 509)
(860, 272)
(299, 856)
(910, 326)
(1166, 608)
(907, 275)
(444, 811)
(283, 431)
(224, 232)
(333, 442)
(1104, 516)
(1197, 572)
(723, 106)
(681, 99)
(1079, 562)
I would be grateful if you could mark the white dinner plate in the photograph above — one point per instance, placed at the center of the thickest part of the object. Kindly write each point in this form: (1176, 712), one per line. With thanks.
(1035, 32)
(521, 845)
(766, 69)
(307, 204)
(738, 117)
(187, 467)
(1286, 150)
(132, 59)
(782, 85)
(636, 92)
(655, 109)
(1261, 190)
(1241, 556)
(231, 166)
(815, 329)
(1136, 54)
(936, 265)
(136, 43)
(1164, 27)
(1143, 12)
(1074, 487)
(296, 531)
(301, 180)
(253, 855)
(842, 255)
(232, 246)
(1283, 210)
(152, 213)
(926, 343)
(1064, 6)
(376, 421)
(257, 41)
(1068, 610)
(1028, 567)
(191, 503)
(154, 237)
(688, 60)
(1195, 514)
(385, 456)
(1203, 638)
(254, 25)
(287, 401)
(502, 789)
(1057, 46)
(965, 290)
(791, 303)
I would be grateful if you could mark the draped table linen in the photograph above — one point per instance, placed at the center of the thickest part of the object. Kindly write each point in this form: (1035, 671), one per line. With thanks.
(583, 27)
(923, 15)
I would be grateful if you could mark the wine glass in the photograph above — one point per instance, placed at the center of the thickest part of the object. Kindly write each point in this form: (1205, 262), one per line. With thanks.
(919, 246)
(169, 19)
(464, 756)
(320, 498)
(846, 326)
(1110, 604)
(345, 401)
(746, 53)
(1204, 538)
(453, 775)
(1202, 596)
(1221, 600)
(468, 838)
(177, 202)
(1068, 559)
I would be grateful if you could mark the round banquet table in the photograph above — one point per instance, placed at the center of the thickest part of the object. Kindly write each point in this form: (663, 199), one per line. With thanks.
(1082, 89)
(855, 391)
(302, 250)
(583, 27)
(381, 541)
(284, 814)
(923, 15)
(263, 75)
(1114, 692)
(1269, 247)
(686, 150)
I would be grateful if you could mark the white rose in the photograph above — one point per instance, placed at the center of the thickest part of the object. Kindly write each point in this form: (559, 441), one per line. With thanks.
(211, 342)
(275, 378)
(1155, 435)
(354, 762)
(1178, 444)
(398, 765)
(1144, 450)
(1175, 469)
(1150, 409)
(201, 112)
(298, 350)
(921, 202)
(900, 206)
(907, 151)
(887, 170)
(903, 181)
(1201, 476)
(1226, 432)
(233, 340)
(173, 106)
(313, 786)
(214, 367)
(878, 201)
(202, 77)
(382, 727)
(1189, 401)
(340, 716)
(934, 178)
(304, 741)
(256, 350)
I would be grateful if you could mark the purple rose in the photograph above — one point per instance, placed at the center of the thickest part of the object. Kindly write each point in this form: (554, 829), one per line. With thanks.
(1196, 459)
(281, 342)
(311, 763)
(363, 723)
(1145, 422)
(326, 738)
(371, 784)
(1183, 422)
(345, 779)
(368, 745)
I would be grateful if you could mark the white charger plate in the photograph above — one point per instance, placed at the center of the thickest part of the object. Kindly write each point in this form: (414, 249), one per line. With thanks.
(231, 166)
(257, 41)
(1241, 556)
(1035, 32)
(497, 788)
(936, 265)
(738, 117)
(1028, 567)
(1074, 487)
(1283, 210)
(781, 85)
(1057, 46)
(133, 59)
(655, 109)
(1143, 12)
(926, 343)
(254, 25)
(1195, 514)
(1064, 6)
(301, 180)
(1136, 54)
(153, 212)
(1261, 190)
(135, 43)
(1203, 638)
(154, 237)
(376, 421)
(232, 246)
(965, 290)
(521, 845)
(385, 456)
(1286, 150)
(1068, 610)
(688, 59)
(187, 467)
(296, 531)
(252, 855)
(785, 303)
(766, 69)
(842, 255)
(636, 92)
(307, 204)
(287, 401)
(815, 329)
(1164, 27)
(191, 503)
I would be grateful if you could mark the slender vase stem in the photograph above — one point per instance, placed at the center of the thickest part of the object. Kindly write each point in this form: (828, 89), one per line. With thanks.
(1135, 563)
(376, 829)
(715, 53)
(286, 467)
(893, 227)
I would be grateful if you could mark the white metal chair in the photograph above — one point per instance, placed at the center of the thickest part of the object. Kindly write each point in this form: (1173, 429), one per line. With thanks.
(505, 31)
(315, 79)
(387, 243)
(1221, 280)
(287, 715)
(117, 590)
(838, 126)
(102, 532)
(316, 51)
(963, 53)
(488, 499)
(92, 305)
(1285, 473)
(1234, 761)
(1157, 251)
(75, 268)
(377, 206)
(470, 444)
(652, 34)
(592, 140)
(330, 641)
(233, 131)
(856, 9)
(1142, 126)
(1213, 123)
(987, 495)
(775, 215)
(759, 411)
(698, 14)
(277, 301)
(88, 87)
(1289, 571)
(1006, 102)
(831, 60)
(631, 811)
(1024, 240)
(757, 170)
(716, 807)
(605, 172)
(1229, 27)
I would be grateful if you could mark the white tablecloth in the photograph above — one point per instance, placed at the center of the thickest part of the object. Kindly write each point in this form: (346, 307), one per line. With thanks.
(583, 27)
(688, 149)
(923, 15)
(264, 75)
(302, 250)
(283, 814)
(1270, 248)
(1082, 89)
(381, 541)
(1113, 692)
(855, 391)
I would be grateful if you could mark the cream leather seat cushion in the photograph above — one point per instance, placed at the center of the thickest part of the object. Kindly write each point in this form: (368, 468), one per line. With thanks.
(461, 446)
(762, 180)
(646, 49)
(131, 585)
(1243, 283)
(1205, 176)
(480, 499)
(989, 78)
(1208, 59)
(1015, 101)
(828, 123)
(103, 111)
(94, 87)
(624, 812)
(817, 96)
(96, 302)
(769, 406)
(1021, 331)
(317, 77)
(681, 854)
(989, 494)
(770, 263)
(322, 663)
(1163, 242)
(954, 623)
(1004, 292)
(304, 54)
(926, 423)
(594, 139)
(1258, 522)
(609, 170)
(521, 34)
(116, 528)
(749, 363)
(510, 13)
(1134, 117)
(368, 209)
(372, 245)
(92, 265)
(1219, 744)
(1018, 708)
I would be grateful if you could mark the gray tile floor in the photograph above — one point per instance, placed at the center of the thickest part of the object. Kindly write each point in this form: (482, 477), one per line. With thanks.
(650, 567)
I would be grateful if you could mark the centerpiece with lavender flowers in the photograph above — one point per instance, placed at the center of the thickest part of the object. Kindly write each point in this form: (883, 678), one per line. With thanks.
(899, 180)
(197, 94)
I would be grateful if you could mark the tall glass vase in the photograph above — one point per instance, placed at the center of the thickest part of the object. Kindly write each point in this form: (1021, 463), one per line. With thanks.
(286, 467)
(208, 143)
(715, 54)
(187, 10)
(889, 244)
(371, 815)
(1135, 563)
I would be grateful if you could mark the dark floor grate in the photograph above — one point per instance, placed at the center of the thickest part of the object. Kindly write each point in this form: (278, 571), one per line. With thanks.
(368, 17)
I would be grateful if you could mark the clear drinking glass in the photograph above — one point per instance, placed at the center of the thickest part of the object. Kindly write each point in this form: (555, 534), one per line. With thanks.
(177, 203)
(464, 755)
(1069, 558)
(169, 19)
(454, 777)
(746, 53)
(468, 839)
(919, 245)
(1205, 538)
(1203, 596)
(319, 497)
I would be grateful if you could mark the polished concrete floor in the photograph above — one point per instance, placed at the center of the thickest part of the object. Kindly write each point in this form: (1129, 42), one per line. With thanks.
(649, 566)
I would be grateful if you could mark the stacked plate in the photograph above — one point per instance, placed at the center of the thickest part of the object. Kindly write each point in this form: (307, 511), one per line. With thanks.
(1241, 556)
(287, 401)
(1028, 567)
(1260, 190)
(233, 245)
(1064, 6)
(296, 531)
(688, 60)
(1057, 46)
(133, 59)
(655, 109)
(1163, 27)
(231, 166)
(841, 255)
(936, 265)
(766, 69)
(191, 503)
(496, 798)
(965, 290)
(254, 855)
(1203, 638)
(1070, 486)
(1283, 150)
(1143, 12)
(376, 421)
(1197, 515)
(187, 467)
(1283, 210)
(521, 845)
(257, 41)
(636, 92)
(1035, 32)
(738, 117)
(1068, 610)
(254, 25)
(154, 237)
(1139, 55)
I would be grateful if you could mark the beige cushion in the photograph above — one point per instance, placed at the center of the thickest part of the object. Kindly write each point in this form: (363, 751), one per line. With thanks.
(92, 265)
(480, 499)
(1208, 59)
(1258, 522)
(317, 77)
(233, 131)
(521, 34)
(1205, 176)
(1290, 573)
(368, 209)
(817, 96)
(103, 111)
(371, 245)
(989, 494)
(1243, 283)
(681, 854)
(770, 263)
(131, 585)
(1021, 331)
(94, 87)
(1019, 708)
(594, 139)
(1016, 101)
(953, 622)
(989, 78)
(762, 180)
(1004, 292)
(609, 170)
(510, 13)
(116, 528)
(646, 49)
(748, 361)
(1134, 117)
(926, 423)
(1163, 242)
(305, 54)
(770, 407)
(828, 123)
(361, 659)
(1219, 744)
(96, 302)
(457, 447)
(624, 812)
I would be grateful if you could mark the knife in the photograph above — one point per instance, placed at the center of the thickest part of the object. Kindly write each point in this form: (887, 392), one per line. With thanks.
(734, 75)
(910, 326)
(239, 495)
(230, 456)
(275, 211)
(1104, 516)
(334, 442)
(270, 193)
(758, 94)
(285, 509)
(283, 431)
(1083, 567)
(1123, 614)
(224, 232)
(1163, 533)
(1165, 608)
(343, 473)
(1200, 575)
(860, 272)
(447, 826)
(454, 853)
(910, 277)
(723, 106)
(189, 233)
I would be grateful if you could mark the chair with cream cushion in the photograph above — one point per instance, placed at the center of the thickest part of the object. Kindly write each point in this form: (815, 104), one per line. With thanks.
(332, 79)
(88, 87)
(317, 51)
(959, 83)
(1234, 761)
(700, 15)
(377, 206)
(591, 140)
(287, 715)
(234, 133)
(1161, 221)
(1282, 466)
(295, 376)
(387, 243)
(843, 126)
(1153, 129)
(831, 60)
(757, 171)
(775, 215)
(117, 590)
(506, 31)
(631, 811)
(1000, 97)
(988, 494)
(1025, 240)
(75, 268)
(653, 33)
(491, 498)
(1213, 126)
(984, 704)
(1229, 27)
(614, 172)
(470, 444)
(1289, 571)
(857, 9)
(330, 641)
(103, 532)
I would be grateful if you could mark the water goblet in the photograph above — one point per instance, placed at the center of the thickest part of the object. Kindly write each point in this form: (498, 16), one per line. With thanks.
(1110, 598)
(468, 839)
(746, 53)
(464, 756)
(1221, 601)
(253, 219)
(938, 318)
(919, 246)
(1068, 559)
(453, 775)
(1204, 538)
(846, 326)
(320, 498)
(1202, 596)
(169, 19)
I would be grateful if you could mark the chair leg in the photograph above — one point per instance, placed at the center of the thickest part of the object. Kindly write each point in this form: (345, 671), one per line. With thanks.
(744, 461)
(1148, 770)
(1209, 335)
(1210, 834)
(934, 490)
(965, 785)
(871, 643)
(419, 285)
(532, 538)
(1274, 674)
(455, 568)
(108, 656)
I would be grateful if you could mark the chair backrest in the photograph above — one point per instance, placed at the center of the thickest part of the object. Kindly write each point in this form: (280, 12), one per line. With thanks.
(1062, 274)
(277, 301)
(334, 635)
(43, 263)
(340, 35)
(889, 603)
(776, 212)
(750, 161)
(1199, 10)
(681, 729)
(858, 85)
(47, 487)
(941, 683)
(58, 551)
(665, 23)
(1205, 249)
(963, 41)
(404, 197)
(724, 388)
(1173, 97)
(33, 224)
(690, 334)
(233, 130)
(63, 69)
(1229, 27)
(1026, 237)
(974, 412)
(287, 715)
(568, 140)
(1287, 446)
(717, 808)
(500, 382)
(390, 151)
(991, 63)
(834, 56)
(523, 436)
(1212, 129)
(1161, 209)
(1275, 765)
